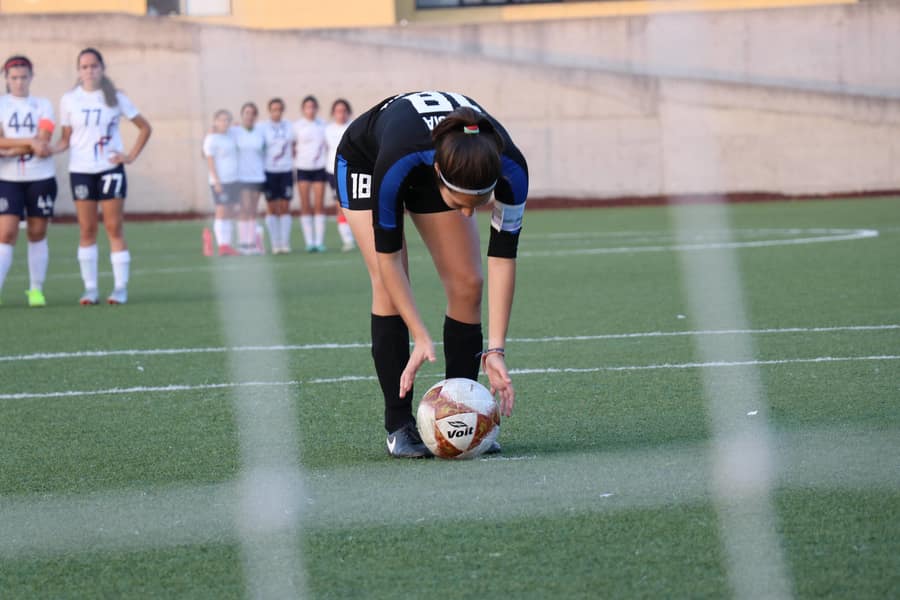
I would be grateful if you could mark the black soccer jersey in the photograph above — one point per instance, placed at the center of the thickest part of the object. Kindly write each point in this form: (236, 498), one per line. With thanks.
(387, 155)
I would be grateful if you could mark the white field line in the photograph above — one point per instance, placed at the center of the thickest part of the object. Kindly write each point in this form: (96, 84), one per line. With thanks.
(856, 234)
(817, 236)
(526, 371)
(433, 493)
(366, 345)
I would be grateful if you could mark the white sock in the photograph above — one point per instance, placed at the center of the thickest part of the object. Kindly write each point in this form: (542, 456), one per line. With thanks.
(222, 229)
(306, 225)
(319, 226)
(273, 224)
(345, 232)
(120, 266)
(286, 224)
(87, 259)
(249, 232)
(38, 257)
(6, 257)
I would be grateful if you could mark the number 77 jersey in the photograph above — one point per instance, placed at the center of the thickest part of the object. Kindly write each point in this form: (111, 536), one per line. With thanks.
(22, 118)
(95, 128)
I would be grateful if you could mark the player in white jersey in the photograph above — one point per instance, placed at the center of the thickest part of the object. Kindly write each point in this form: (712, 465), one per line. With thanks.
(279, 168)
(341, 114)
(89, 115)
(251, 175)
(310, 164)
(27, 174)
(221, 152)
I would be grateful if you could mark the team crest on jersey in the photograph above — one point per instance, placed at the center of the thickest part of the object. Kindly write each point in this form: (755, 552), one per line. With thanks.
(81, 192)
(4, 205)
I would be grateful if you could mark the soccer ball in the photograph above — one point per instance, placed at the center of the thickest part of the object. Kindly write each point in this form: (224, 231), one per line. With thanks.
(458, 418)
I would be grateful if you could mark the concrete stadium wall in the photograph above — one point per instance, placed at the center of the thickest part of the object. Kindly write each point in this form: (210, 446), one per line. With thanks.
(791, 101)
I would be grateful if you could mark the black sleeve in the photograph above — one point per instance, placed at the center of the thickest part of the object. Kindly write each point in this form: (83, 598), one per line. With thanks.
(509, 204)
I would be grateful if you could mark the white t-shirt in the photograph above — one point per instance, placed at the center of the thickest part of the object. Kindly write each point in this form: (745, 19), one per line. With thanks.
(311, 151)
(333, 135)
(279, 139)
(224, 152)
(19, 118)
(95, 128)
(251, 154)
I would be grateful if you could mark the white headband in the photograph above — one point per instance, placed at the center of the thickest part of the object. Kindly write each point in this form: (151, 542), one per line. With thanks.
(463, 190)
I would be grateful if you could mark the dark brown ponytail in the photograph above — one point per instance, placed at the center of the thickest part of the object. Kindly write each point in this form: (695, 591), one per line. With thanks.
(467, 149)
(106, 84)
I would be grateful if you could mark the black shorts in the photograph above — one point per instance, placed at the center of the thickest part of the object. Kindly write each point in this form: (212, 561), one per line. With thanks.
(231, 194)
(419, 193)
(279, 186)
(99, 186)
(312, 175)
(31, 198)
(332, 182)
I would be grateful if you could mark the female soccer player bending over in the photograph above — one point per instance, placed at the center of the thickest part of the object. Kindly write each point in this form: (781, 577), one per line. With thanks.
(27, 173)
(89, 116)
(440, 156)
(221, 152)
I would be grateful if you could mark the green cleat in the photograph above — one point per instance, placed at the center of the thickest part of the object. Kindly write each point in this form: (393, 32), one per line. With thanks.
(36, 298)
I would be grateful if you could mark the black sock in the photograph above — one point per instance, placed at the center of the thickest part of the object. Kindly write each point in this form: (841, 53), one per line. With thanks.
(462, 344)
(390, 350)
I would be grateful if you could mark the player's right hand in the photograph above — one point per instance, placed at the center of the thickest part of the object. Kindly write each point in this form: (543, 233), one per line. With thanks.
(217, 187)
(422, 351)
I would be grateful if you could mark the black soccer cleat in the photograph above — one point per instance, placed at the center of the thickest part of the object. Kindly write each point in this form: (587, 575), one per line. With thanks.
(406, 443)
(494, 448)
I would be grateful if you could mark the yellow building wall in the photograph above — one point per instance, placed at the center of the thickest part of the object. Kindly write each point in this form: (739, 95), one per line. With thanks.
(306, 14)
(137, 7)
(318, 14)
(406, 9)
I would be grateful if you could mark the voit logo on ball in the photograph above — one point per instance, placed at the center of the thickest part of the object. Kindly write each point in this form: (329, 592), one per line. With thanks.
(459, 429)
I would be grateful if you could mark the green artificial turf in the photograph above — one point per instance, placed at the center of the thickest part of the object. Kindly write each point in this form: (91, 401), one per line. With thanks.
(603, 489)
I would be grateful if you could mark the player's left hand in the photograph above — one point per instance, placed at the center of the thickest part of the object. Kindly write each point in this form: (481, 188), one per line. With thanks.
(501, 384)
(40, 148)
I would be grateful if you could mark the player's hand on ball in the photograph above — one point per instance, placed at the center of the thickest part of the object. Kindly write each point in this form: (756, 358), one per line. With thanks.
(422, 351)
(501, 384)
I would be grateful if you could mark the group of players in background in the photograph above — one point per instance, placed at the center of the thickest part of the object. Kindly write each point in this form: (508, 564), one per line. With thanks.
(244, 161)
(89, 121)
(268, 157)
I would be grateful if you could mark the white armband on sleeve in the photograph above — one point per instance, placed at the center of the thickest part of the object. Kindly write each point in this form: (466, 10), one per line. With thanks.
(507, 217)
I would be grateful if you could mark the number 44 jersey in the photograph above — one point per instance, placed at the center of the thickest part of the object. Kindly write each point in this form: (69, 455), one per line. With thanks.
(95, 128)
(20, 119)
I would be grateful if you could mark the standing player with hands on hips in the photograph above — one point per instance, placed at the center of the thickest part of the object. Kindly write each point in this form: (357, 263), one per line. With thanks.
(27, 173)
(89, 115)
(440, 156)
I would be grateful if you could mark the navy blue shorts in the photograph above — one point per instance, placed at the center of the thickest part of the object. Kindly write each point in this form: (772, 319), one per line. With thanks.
(99, 186)
(279, 186)
(332, 182)
(31, 198)
(231, 194)
(313, 175)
